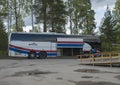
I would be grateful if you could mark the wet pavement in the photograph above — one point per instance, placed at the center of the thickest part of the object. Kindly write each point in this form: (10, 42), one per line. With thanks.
(55, 72)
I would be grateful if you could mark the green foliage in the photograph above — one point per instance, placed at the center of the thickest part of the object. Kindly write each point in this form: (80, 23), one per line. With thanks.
(57, 16)
(3, 37)
(40, 8)
(50, 13)
(116, 14)
(15, 11)
(89, 24)
(36, 29)
(3, 34)
(117, 7)
(109, 31)
(83, 16)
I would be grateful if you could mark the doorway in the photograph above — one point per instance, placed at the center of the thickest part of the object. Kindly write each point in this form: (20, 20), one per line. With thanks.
(70, 51)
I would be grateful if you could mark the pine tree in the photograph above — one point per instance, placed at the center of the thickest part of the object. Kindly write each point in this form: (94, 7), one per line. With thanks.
(3, 34)
(57, 14)
(108, 32)
(70, 9)
(50, 13)
(41, 12)
(83, 17)
(116, 14)
(3, 37)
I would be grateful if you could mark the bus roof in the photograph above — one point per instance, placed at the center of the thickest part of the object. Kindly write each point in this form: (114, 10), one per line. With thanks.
(52, 33)
(87, 38)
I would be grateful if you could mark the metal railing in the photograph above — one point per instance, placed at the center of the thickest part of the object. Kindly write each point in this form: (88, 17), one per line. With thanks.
(104, 58)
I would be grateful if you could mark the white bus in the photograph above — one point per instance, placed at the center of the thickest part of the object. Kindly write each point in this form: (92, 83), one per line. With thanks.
(43, 45)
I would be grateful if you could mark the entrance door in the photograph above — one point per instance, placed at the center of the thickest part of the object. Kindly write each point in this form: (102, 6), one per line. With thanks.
(67, 52)
(70, 51)
(77, 51)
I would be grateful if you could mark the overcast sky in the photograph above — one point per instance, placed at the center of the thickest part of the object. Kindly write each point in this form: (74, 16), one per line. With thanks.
(99, 6)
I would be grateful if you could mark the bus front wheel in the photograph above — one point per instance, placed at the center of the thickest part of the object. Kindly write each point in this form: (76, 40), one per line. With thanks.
(42, 55)
(31, 55)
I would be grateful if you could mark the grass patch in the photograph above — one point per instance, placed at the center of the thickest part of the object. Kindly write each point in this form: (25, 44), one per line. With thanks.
(3, 52)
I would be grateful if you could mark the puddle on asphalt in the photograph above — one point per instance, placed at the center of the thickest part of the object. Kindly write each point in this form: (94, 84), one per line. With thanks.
(118, 77)
(88, 70)
(2, 68)
(93, 71)
(92, 83)
(87, 77)
(31, 65)
(59, 78)
(32, 73)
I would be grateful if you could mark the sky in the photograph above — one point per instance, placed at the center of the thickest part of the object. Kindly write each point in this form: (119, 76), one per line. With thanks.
(99, 6)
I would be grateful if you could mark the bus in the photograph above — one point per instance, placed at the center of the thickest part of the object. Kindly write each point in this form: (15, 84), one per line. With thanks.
(43, 45)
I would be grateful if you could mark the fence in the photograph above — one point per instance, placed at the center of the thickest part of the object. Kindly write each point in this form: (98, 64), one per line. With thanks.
(104, 58)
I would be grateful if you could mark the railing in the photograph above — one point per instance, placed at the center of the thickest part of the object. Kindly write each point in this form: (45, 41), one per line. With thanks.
(103, 58)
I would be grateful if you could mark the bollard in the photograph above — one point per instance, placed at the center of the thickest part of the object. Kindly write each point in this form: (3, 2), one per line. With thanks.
(93, 59)
(110, 59)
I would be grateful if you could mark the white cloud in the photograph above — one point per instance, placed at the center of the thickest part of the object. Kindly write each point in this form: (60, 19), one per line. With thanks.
(28, 20)
(27, 28)
(101, 3)
(99, 6)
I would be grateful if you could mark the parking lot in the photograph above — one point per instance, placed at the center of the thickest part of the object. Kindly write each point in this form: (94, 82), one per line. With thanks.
(55, 72)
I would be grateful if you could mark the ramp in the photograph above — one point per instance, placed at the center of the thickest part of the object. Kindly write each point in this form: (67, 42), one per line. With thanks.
(107, 58)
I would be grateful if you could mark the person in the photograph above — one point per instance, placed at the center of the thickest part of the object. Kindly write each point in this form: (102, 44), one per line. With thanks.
(93, 51)
(96, 52)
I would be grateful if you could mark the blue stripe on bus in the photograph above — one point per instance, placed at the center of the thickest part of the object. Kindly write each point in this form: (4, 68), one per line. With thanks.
(51, 54)
(18, 50)
(26, 52)
(70, 45)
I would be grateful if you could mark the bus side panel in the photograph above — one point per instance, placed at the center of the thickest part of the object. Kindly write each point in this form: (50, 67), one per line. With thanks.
(53, 50)
(20, 48)
(17, 48)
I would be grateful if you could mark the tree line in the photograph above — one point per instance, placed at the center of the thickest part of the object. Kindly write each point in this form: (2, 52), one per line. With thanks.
(50, 15)
(60, 16)
(110, 28)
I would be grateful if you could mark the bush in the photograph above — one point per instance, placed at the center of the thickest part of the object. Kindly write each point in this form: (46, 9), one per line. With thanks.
(3, 38)
(3, 52)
